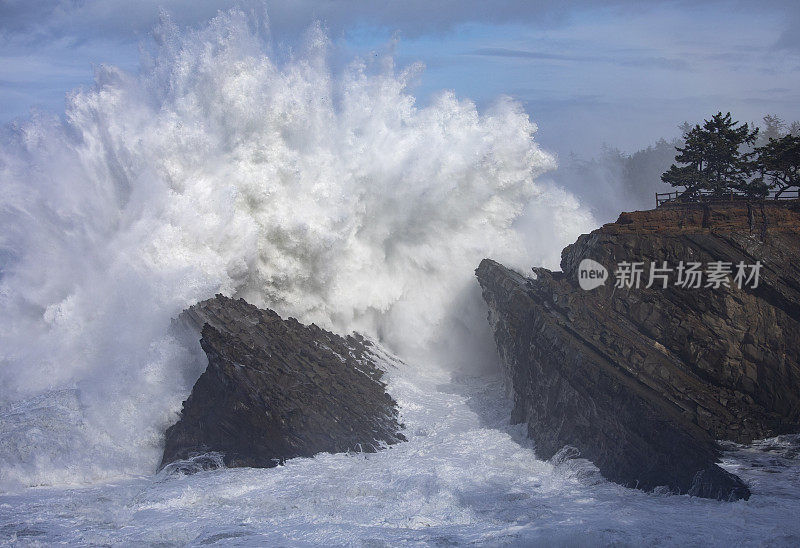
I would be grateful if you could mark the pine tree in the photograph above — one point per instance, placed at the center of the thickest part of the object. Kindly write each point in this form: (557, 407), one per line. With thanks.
(779, 163)
(713, 159)
(774, 128)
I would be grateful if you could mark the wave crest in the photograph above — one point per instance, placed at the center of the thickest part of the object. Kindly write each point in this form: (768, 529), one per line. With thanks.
(329, 196)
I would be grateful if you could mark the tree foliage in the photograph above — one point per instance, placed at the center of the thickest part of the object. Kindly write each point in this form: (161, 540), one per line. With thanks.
(778, 163)
(714, 160)
(774, 128)
(723, 156)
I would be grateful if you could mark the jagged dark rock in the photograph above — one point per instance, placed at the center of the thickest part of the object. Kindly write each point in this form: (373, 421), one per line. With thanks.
(276, 389)
(643, 381)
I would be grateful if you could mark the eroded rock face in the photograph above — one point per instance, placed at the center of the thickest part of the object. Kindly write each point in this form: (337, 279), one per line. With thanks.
(643, 381)
(275, 389)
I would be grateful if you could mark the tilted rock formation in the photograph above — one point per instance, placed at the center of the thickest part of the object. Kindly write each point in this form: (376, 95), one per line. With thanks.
(276, 389)
(643, 381)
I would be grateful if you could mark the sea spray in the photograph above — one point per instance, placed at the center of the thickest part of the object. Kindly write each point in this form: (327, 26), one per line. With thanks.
(330, 196)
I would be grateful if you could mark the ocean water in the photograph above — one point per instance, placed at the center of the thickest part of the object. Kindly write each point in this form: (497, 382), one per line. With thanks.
(327, 194)
(464, 477)
(224, 165)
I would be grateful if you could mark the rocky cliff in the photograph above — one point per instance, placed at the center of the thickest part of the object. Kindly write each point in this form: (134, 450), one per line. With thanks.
(276, 389)
(642, 381)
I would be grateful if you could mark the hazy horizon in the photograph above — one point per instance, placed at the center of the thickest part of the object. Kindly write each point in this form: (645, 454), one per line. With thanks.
(589, 74)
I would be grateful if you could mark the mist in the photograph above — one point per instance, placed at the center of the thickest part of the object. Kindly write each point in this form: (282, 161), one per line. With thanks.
(222, 163)
(329, 196)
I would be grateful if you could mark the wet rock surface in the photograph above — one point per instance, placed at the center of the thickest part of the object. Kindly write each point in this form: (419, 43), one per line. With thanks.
(276, 389)
(643, 381)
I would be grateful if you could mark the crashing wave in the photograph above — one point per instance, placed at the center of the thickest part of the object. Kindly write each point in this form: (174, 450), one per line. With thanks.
(331, 196)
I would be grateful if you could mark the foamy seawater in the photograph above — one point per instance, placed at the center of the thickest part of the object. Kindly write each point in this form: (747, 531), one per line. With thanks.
(464, 477)
(327, 195)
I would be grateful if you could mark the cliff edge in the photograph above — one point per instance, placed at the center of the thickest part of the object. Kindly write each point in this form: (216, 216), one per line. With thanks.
(643, 380)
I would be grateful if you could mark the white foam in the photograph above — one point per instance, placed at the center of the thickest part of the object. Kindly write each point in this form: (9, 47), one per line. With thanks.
(464, 477)
(329, 196)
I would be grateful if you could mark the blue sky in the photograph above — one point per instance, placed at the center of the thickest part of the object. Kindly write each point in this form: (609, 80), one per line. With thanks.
(622, 73)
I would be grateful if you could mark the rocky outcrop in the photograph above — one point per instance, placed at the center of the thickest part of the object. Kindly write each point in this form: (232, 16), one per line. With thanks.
(643, 381)
(276, 389)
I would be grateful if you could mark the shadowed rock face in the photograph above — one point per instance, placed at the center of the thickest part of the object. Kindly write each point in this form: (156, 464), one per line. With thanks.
(276, 389)
(643, 381)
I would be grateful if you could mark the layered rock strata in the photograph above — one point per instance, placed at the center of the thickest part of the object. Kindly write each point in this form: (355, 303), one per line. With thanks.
(276, 389)
(643, 381)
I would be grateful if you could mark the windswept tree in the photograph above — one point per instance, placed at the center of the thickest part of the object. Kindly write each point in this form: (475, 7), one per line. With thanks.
(713, 159)
(779, 163)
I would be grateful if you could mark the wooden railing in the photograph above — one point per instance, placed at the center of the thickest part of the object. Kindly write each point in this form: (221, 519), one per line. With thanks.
(709, 196)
